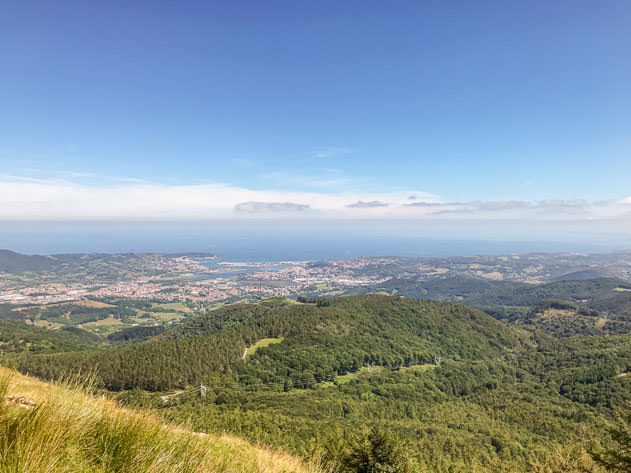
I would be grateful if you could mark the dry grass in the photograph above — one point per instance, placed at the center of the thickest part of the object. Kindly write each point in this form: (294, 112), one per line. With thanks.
(91, 303)
(70, 431)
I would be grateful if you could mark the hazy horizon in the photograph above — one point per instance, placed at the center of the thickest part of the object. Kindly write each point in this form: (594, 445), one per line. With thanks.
(246, 240)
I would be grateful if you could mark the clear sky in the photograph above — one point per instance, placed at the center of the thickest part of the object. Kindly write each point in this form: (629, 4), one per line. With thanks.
(316, 109)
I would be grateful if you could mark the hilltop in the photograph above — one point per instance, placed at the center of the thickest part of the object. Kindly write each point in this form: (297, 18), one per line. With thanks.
(596, 306)
(17, 263)
(319, 341)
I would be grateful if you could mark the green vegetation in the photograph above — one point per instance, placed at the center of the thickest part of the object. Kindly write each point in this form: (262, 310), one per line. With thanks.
(382, 383)
(98, 436)
(319, 342)
(18, 337)
(616, 454)
(262, 344)
(595, 306)
(102, 317)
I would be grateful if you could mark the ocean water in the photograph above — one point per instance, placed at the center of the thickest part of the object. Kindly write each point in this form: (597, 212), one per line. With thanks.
(266, 242)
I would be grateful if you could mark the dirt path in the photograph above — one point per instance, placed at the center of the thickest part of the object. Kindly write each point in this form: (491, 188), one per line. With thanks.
(166, 398)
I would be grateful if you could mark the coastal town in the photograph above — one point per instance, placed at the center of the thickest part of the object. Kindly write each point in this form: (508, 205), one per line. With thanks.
(194, 279)
(207, 279)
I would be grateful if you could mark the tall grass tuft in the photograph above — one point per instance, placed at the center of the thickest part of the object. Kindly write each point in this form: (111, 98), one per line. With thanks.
(69, 431)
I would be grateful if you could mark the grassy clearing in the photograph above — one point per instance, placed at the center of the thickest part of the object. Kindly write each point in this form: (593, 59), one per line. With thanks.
(174, 306)
(290, 301)
(97, 436)
(557, 313)
(47, 324)
(106, 322)
(622, 289)
(337, 292)
(93, 304)
(419, 368)
(364, 371)
(264, 342)
(166, 315)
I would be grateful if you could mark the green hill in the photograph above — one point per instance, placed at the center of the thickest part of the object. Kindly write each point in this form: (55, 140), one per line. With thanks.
(318, 342)
(530, 294)
(16, 263)
(18, 337)
(600, 306)
(446, 387)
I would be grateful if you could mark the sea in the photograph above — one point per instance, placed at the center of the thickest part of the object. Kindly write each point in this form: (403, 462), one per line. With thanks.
(267, 242)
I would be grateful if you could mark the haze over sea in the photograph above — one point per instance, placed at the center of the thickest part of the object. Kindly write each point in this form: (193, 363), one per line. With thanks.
(248, 241)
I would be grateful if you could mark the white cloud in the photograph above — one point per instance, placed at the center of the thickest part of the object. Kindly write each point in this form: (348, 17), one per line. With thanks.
(549, 209)
(360, 204)
(330, 152)
(38, 199)
(278, 207)
(34, 199)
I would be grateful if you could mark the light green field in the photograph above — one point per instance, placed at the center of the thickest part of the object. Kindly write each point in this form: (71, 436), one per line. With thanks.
(109, 321)
(419, 368)
(334, 293)
(622, 289)
(47, 324)
(264, 342)
(166, 315)
(156, 316)
(363, 371)
(174, 306)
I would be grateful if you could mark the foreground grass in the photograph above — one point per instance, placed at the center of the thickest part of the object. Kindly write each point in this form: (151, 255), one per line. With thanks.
(46, 428)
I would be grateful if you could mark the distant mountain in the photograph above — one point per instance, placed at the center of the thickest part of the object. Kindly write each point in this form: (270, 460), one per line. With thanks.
(599, 306)
(16, 263)
(449, 288)
(584, 274)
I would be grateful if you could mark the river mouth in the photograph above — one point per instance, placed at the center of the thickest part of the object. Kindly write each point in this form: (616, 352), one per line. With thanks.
(228, 269)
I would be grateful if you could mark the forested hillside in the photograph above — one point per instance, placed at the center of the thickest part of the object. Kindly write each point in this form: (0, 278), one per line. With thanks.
(18, 337)
(563, 308)
(446, 387)
(318, 341)
(16, 263)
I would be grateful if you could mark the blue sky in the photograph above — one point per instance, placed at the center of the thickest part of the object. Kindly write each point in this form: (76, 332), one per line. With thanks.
(352, 109)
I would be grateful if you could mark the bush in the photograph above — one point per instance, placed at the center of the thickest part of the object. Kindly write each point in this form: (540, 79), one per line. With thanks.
(379, 451)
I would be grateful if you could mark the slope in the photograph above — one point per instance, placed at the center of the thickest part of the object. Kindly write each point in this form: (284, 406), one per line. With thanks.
(318, 341)
(18, 337)
(99, 436)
